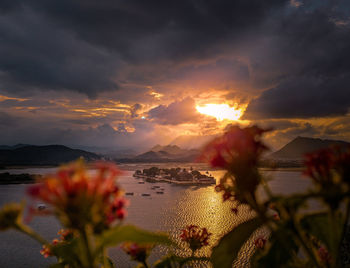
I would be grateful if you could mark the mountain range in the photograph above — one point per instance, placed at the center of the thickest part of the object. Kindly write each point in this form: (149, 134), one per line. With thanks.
(42, 155)
(23, 154)
(168, 153)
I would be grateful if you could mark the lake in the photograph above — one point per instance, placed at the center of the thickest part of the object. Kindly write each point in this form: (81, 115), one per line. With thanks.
(178, 207)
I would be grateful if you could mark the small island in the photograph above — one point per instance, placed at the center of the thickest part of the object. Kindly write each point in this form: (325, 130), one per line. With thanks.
(7, 178)
(175, 175)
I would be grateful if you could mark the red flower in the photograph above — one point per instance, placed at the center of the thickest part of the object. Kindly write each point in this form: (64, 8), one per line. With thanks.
(195, 236)
(238, 151)
(46, 251)
(234, 210)
(65, 237)
(80, 197)
(318, 166)
(321, 164)
(324, 255)
(137, 252)
(236, 145)
(260, 242)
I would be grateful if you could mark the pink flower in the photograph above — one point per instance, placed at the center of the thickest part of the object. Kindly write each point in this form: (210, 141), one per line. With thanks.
(195, 237)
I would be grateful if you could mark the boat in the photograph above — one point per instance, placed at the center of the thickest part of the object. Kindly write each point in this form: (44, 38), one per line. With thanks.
(141, 182)
(129, 193)
(146, 194)
(41, 207)
(160, 192)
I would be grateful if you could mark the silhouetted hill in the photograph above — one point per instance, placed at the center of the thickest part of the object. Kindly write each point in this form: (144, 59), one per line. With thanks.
(170, 149)
(169, 153)
(301, 145)
(9, 147)
(43, 155)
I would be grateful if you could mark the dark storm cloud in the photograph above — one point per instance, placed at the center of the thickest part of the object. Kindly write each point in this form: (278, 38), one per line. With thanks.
(303, 97)
(82, 45)
(35, 54)
(298, 54)
(306, 57)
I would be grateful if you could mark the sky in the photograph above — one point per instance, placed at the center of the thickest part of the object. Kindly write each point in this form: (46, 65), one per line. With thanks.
(132, 74)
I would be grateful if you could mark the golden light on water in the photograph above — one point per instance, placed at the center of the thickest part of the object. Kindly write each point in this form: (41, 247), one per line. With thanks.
(221, 111)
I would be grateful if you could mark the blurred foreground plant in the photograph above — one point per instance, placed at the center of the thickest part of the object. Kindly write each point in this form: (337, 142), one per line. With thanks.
(298, 238)
(90, 206)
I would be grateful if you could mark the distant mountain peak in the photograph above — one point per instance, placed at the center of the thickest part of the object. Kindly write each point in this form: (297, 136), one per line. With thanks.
(167, 153)
(299, 146)
(170, 149)
(156, 148)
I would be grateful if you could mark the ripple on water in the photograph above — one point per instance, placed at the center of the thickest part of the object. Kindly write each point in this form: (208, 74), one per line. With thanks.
(178, 207)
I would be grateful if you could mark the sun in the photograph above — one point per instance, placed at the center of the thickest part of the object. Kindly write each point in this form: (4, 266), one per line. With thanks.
(221, 111)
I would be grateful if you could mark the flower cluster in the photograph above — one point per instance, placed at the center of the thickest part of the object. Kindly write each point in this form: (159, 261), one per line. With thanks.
(320, 164)
(195, 237)
(238, 151)
(236, 147)
(65, 237)
(79, 197)
(137, 252)
(330, 171)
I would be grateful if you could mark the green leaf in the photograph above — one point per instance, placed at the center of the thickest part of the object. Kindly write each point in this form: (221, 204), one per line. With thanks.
(229, 245)
(130, 233)
(318, 225)
(279, 253)
(69, 252)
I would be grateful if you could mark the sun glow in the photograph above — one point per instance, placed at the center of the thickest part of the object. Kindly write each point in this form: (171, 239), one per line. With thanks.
(221, 111)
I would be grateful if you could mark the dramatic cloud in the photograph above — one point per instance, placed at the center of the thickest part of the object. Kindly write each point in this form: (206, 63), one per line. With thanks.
(82, 45)
(176, 113)
(304, 62)
(303, 97)
(129, 73)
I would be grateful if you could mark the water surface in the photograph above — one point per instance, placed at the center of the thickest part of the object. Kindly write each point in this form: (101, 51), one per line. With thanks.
(170, 212)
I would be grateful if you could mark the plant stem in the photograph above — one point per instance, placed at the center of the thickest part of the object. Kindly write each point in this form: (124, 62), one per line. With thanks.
(145, 264)
(30, 232)
(304, 245)
(332, 237)
(343, 231)
(87, 248)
